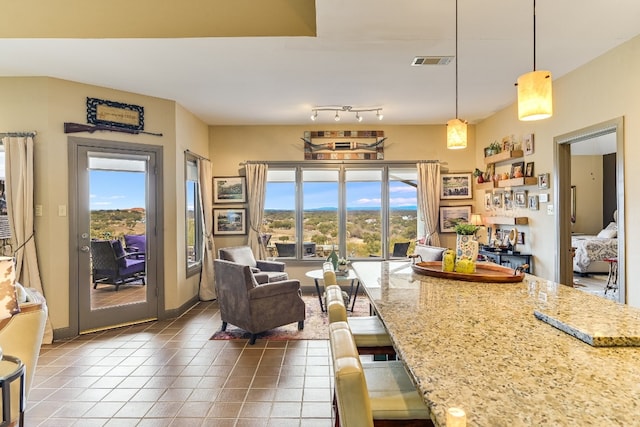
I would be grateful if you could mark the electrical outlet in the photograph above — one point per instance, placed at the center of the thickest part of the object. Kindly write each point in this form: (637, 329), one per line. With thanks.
(38, 210)
(549, 209)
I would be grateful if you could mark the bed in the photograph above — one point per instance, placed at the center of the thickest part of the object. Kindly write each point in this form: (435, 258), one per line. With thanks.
(590, 251)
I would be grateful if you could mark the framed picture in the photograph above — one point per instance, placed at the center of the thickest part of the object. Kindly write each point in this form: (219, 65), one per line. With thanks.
(508, 200)
(520, 198)
(543, 180)
(497, 200)
(229, 221)
(229, 189)
(451, 215)
(488, 203)
(533, 202)
(489, 172)
(527, 142)
(455, 186)
(517, 170)
(528, 170)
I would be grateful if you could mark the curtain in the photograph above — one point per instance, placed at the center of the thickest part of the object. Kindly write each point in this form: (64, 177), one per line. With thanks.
(429, 200)
(256, 190)
(207, 290)
(19, 189)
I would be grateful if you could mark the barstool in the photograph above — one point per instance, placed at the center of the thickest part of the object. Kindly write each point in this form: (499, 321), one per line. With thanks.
(612, 279)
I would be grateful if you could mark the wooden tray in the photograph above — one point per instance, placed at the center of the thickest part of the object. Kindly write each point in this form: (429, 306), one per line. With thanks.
(485, 272)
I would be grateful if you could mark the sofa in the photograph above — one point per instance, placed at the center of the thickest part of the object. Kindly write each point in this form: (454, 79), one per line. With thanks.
(265, 271)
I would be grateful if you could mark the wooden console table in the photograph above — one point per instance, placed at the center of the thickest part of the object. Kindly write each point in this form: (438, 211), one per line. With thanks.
(509, 259)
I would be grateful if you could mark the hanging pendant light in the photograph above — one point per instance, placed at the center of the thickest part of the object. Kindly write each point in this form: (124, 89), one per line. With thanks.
(535, 97)
(456, 128)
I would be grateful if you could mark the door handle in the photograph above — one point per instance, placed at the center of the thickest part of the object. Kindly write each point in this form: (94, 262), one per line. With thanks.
(84, 248)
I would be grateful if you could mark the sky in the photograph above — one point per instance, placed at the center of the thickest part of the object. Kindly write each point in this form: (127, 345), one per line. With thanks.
(325, 194)
(116, 190)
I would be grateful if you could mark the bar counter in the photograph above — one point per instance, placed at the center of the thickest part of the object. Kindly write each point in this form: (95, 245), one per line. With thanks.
(478, 346)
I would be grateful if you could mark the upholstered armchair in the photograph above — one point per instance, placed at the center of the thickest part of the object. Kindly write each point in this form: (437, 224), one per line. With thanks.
(252, 306)
(273, 270)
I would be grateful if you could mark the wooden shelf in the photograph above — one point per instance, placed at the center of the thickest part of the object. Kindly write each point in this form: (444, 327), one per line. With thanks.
(517, 182)
(503, 156)
(486, 185)
(506, 220)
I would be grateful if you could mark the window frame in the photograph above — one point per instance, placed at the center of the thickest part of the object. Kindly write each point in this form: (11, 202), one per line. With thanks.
(193, 267)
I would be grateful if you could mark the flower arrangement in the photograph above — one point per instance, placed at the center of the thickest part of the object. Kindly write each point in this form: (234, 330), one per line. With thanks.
(343, 261)
(465, 228)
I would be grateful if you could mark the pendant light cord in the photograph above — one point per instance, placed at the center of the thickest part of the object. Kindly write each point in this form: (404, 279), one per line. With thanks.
(457, 59)
(534, 35)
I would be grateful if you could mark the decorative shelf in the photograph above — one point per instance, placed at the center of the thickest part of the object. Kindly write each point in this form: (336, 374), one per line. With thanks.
(506, 220)
(503, 156)
(518, 182)
(486, 185)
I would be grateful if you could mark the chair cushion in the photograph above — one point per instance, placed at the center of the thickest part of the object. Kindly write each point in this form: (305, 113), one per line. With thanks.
(368, 331)
(276, 276)
(238, 254)
(429, 253)
(137, 243)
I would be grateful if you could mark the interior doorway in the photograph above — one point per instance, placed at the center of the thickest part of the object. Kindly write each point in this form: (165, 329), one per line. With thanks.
(114, 251)
(566, 193)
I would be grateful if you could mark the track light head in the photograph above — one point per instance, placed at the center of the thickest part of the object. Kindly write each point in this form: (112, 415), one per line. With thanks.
(314, 116)
(379, 115)
(337, 117)
(358, 117)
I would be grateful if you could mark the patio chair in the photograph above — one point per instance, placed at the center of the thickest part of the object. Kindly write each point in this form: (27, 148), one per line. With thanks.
(112, 265)
(286, 250)
(400, 249)
(136, 245)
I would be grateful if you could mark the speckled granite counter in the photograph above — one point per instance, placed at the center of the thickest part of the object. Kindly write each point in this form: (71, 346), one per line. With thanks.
(480, 347)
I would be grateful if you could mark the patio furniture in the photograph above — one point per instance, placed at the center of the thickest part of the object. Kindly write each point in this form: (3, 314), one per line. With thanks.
(136, 244)
(112, 265)
(286, 250)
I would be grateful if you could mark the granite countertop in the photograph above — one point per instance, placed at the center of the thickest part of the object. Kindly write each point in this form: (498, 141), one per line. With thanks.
(480, 347)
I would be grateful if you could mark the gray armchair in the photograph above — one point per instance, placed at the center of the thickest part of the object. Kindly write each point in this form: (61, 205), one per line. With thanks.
(273, 271)
(253, 307)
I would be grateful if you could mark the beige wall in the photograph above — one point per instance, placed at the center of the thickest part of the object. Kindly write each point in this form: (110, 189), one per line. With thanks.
(43, 104)
(586, 175)
(603, 89)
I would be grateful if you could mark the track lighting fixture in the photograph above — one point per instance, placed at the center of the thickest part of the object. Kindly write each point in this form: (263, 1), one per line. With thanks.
(346, 109)
(535, 97)
(456, 128)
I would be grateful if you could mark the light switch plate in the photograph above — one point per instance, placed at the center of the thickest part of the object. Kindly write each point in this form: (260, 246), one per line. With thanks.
(62, 210)
(549, 209)
(38, 210)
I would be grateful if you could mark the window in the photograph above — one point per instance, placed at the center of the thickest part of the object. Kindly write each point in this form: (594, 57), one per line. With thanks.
(193, 216)
(358, 210)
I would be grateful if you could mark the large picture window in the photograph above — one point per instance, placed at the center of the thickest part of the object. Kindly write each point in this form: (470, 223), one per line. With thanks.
(358, 210)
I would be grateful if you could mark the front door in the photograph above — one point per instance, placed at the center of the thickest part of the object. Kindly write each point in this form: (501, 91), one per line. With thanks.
(115, 221)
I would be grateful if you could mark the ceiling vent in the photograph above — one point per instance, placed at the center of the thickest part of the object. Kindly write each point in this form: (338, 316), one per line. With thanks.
(431, 60)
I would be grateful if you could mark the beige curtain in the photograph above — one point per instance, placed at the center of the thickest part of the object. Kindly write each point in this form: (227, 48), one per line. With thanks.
(256, 190)
(207, 290)
(429, 200)
(19, 189)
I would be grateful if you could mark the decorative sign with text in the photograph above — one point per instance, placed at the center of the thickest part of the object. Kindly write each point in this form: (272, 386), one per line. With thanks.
(116, 114)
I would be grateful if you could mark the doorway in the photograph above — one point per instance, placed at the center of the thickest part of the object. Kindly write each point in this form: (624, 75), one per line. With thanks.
(566, 193)
(114, 250)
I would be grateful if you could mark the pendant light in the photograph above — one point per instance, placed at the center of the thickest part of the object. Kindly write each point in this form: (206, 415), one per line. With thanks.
(535, 98)
(456, 128)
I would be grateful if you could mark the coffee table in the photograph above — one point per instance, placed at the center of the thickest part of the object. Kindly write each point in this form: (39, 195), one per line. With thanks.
(351, 277)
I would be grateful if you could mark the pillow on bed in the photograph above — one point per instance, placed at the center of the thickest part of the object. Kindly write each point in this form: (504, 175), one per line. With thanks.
(612, 226)
(607, 234)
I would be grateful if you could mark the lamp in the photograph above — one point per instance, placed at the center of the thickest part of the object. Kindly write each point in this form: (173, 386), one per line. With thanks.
(535, 97)
(481, 234)
(346, 109)
(456, 128)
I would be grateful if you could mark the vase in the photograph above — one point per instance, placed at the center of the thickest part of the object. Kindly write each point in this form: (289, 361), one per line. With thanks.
(467, 246)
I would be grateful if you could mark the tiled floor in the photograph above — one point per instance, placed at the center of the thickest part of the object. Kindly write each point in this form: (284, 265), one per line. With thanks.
(168, 373)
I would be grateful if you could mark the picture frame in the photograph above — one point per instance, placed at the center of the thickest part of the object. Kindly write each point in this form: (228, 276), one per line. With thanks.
(543, 180)
(451, 215)
(533, 202)
(508, 200)
(489, 172)
(517, 170)
(229, 189)
(116, 114)
(455, 186)
(527, 142)
(528, 170)
(230, 221)
(488, 205)
(497, 200)
(520, 198)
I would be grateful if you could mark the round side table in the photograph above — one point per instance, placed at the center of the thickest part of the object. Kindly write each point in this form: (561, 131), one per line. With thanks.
(11, 369)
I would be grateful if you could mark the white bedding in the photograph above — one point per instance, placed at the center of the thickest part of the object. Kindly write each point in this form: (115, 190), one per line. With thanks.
(590, 249)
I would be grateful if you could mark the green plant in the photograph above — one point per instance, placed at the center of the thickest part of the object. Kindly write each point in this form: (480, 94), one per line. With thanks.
(465, 228)
(343, 261)
(477, 172)
(495, 146)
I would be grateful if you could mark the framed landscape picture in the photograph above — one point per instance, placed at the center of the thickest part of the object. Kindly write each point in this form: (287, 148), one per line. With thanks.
(455, 186)
(229, 221)
(229, 189)
(451, 215)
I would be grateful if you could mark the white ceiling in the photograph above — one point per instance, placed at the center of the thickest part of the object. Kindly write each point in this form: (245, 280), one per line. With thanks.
(360, 57)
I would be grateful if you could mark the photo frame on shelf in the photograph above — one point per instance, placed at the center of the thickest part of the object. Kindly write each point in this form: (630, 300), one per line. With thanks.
(527, 143)
(229, 221)
(508, 200)
(543, 180)
(488, 203)
(517, 170)
(455, 186)
(497, 200)
(229, 189)
(490, 172)
(528, 170)
(533, 202)
(451, 215)
(520, 198)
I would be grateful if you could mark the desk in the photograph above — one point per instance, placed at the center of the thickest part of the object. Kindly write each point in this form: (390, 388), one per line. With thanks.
(318, 275)
(11, 369)
(479, 346)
